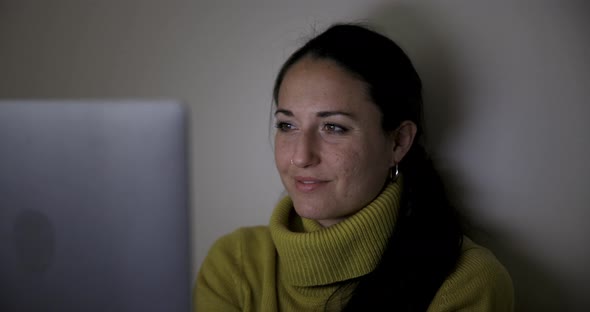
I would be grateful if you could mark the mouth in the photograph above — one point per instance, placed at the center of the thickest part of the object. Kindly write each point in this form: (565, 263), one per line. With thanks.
(309, 184)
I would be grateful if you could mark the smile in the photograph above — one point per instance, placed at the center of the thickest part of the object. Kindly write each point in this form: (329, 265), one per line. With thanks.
(307, 184)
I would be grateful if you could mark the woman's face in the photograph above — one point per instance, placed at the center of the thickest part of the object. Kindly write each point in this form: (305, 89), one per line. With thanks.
(330, 150)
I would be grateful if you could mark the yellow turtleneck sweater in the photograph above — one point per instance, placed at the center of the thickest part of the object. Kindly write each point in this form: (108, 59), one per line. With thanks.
(295, 264)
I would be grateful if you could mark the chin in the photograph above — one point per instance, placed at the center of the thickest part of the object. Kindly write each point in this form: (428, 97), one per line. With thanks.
(309, 211)
(305, 210)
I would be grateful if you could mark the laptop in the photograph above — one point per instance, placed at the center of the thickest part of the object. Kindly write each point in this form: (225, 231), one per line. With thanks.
(93, 206)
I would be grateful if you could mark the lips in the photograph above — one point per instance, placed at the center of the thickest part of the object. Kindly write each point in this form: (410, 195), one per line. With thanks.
(309, 184)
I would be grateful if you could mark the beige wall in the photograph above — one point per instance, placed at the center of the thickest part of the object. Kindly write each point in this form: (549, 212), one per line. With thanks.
(506, 84)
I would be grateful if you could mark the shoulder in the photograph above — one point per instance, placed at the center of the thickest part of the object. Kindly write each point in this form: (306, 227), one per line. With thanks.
(231, 247)
(479, 262)
(478, 283)
(223, 277)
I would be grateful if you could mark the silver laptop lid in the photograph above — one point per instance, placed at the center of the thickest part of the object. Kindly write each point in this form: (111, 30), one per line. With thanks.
(93, 206)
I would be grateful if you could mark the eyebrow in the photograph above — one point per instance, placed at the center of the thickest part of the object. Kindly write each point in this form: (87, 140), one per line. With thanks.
(322, 114)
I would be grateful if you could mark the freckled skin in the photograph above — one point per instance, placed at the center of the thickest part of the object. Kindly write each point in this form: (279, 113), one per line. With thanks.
(351, 166)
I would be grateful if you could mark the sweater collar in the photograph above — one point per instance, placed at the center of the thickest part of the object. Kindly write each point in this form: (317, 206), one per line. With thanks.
(311, 255)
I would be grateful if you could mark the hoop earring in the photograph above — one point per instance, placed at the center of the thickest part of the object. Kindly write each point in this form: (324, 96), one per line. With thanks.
(393, 173)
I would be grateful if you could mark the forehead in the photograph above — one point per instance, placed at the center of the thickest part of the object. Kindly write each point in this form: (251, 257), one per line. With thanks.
(322, 84)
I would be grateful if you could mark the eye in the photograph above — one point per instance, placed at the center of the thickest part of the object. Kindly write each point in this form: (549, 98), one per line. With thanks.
(334, 128)
(284, 126)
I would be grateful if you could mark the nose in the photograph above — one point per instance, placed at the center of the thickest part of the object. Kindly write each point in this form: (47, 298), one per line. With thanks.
(306, 150)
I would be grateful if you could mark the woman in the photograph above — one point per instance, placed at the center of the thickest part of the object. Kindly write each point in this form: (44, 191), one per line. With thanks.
(366, 225)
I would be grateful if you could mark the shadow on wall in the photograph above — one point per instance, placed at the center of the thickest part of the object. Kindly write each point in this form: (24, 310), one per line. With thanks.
(536, 288)
(413, 26)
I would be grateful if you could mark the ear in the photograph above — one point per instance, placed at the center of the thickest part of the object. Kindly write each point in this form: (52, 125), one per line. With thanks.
(404, 138)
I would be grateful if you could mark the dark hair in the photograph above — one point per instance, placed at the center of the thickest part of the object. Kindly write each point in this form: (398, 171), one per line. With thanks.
(426, 242)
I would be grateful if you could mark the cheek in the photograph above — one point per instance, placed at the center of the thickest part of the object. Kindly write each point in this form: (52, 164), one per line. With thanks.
(282, 159)
(350, 173)
(359, 166)
(346, 162)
